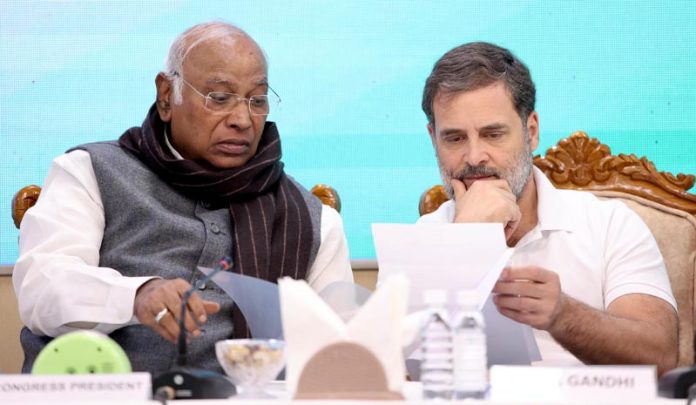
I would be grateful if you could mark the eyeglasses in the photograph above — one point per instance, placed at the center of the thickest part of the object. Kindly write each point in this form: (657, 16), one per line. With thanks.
(221, 102)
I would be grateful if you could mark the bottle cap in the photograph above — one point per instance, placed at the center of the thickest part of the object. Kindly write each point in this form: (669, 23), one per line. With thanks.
(435, 297)
(468, 299)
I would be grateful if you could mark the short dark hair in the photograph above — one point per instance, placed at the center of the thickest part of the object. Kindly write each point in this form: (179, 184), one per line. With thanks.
(475, 65)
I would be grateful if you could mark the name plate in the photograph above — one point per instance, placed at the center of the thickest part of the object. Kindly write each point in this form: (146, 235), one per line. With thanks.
(27, 387)
(624, 383)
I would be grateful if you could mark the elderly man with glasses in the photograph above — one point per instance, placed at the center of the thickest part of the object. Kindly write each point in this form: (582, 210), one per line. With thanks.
(120, 228)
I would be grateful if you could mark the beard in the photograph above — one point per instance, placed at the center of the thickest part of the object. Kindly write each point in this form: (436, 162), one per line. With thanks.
(516, 174)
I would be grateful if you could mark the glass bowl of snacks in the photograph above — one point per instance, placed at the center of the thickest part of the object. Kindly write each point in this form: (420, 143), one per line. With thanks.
(251, 363)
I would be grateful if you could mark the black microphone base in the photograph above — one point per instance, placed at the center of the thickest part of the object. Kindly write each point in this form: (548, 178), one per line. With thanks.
(188, 383)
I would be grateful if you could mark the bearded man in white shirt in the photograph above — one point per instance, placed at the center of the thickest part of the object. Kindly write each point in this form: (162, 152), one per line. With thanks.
(587, 274)
(120, 228)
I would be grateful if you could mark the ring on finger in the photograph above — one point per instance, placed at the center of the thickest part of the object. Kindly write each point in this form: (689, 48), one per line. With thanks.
(161, 314)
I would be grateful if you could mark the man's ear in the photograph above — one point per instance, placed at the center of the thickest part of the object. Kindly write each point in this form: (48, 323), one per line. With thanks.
(164, 97)
(533, 129)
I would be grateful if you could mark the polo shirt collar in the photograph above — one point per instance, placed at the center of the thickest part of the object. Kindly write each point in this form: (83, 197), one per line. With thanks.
(551, 209)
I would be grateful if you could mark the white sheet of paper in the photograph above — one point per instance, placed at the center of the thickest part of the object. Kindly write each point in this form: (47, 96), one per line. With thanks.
(442, 256)
(456, 257)
(256, 298)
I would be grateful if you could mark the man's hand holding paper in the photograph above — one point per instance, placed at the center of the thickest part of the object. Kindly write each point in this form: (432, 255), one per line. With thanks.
(529, 295)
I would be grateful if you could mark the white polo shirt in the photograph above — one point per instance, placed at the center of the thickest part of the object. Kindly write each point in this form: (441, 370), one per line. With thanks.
(601, 250)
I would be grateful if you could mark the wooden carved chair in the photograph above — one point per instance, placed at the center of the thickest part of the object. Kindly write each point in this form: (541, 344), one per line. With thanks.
(660, 198)
(26, 197)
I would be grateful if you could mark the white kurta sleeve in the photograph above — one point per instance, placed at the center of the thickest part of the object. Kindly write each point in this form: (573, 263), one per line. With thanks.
(57, 279)
(332, 262)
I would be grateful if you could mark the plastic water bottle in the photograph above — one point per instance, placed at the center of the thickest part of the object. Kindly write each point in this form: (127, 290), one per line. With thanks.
(437, 368)
(470, 361)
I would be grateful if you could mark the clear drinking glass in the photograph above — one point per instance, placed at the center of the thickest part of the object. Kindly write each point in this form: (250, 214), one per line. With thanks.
(251, 363)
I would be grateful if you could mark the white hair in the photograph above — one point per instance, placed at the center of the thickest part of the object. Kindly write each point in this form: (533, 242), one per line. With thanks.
(189, 39)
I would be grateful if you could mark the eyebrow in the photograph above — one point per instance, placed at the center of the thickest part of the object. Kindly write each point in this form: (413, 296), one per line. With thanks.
(451, 131)
(496, 126)
(217, 80)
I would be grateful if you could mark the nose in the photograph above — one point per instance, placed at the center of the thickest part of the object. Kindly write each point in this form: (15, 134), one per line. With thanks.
(240, 116)
(477, 153)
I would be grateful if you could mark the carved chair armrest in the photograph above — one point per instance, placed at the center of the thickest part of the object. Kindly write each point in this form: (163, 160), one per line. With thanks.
(328, 196)
(22, 201)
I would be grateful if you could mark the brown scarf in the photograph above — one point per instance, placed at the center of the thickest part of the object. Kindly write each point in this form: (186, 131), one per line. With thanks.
(272, 226)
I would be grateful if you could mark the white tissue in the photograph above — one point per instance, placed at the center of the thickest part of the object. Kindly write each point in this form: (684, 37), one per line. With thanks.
(309, 325)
